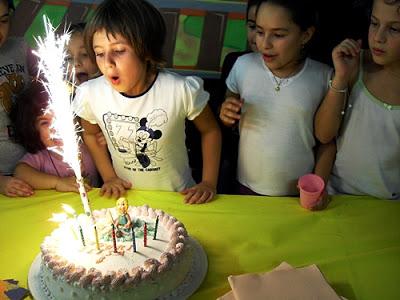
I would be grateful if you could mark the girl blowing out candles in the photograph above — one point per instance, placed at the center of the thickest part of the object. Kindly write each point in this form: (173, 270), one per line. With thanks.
(141, 108)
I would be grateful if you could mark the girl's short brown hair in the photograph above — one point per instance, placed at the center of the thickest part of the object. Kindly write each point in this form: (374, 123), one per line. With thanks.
(136, 20)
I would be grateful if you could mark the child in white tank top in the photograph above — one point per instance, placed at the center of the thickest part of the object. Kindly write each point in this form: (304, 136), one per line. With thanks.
(367, 124)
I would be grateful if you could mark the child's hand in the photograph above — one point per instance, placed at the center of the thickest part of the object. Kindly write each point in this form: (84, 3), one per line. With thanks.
(322, 203)
(14, 187)
(69, 184)
(230, 111)
(115, 187)
(345, 58)
(200, 193)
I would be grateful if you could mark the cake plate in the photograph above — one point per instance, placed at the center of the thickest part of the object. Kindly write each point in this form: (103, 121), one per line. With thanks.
(188, 286)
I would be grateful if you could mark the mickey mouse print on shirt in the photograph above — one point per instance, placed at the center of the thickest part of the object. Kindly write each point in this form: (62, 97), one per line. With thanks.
(136, 139)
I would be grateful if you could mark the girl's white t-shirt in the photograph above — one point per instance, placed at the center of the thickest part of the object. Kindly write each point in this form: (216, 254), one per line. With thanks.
(146, 134)
(276, 127)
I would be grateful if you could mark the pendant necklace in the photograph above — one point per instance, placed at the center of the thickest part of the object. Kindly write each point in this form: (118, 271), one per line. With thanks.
(279, 81)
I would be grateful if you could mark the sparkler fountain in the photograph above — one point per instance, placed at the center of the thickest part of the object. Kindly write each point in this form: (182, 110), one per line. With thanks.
(52, 52)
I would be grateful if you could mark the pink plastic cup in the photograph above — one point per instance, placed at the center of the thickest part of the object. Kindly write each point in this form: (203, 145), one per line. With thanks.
(311, 187)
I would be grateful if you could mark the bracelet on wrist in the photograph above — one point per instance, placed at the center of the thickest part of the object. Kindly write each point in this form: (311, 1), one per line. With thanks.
(343, 91)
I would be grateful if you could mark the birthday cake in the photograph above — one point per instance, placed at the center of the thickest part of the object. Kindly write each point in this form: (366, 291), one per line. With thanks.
(141, 254)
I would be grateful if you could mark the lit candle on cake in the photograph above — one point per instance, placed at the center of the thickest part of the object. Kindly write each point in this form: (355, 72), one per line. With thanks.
(145, 234)
(155, 229)
(71, 211)
(97, 238)
(114, 238)
(52, 53)
(82, 238)
(133, 238)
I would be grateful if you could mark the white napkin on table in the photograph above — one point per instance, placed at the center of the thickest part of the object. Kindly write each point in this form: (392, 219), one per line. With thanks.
(283, 282)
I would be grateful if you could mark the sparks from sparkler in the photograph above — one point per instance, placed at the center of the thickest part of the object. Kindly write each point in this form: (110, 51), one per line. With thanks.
(58, 217)
(52, 52)
(62, 218)
(72, 211)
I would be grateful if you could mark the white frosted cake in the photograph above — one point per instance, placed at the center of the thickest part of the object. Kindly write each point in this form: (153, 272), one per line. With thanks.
(75, 266)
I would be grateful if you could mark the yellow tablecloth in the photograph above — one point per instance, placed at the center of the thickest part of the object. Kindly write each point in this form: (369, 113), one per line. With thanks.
(355, 242)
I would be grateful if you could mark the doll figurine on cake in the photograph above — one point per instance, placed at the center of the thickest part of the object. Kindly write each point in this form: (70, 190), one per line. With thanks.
(123, 223)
